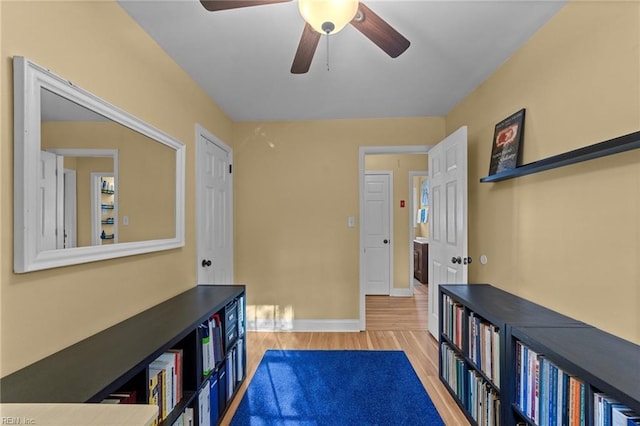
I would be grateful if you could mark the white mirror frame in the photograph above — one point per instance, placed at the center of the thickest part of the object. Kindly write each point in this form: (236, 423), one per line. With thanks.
(29, 79)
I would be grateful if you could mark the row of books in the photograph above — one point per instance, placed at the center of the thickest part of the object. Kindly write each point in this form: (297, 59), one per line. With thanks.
(241, 316)
(212, 335)
(483, 344)
(483, 401)
(547, 394)
(454, 370)
(484, 347)
(452, 320)
(165, 382)
(235, 367)
(608, 412)
(220, 387)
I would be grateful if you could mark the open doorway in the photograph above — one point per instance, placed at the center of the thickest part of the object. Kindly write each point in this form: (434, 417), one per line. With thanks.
(419, 226)
(401, 160)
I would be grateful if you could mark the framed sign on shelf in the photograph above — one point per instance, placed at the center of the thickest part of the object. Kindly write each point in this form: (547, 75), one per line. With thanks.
(507, 143)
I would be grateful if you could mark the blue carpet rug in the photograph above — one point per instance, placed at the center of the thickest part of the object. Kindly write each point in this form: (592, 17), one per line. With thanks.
(312, 387)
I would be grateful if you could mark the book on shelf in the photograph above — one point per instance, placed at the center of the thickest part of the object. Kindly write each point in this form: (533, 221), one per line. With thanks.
(179, 361)
(216, 338)
(483, 402)
(622, 416)
(156, 391)
(241, 316)
(230, 367)
(185, 418)
(167, 363)
(484, 346)
(222, 388)
(214, 399)
(121, 397)
(454, 370)
(608, 411)
(240, 361)
(173, 360)
(207, 353)
(204, 416)
(212, 346)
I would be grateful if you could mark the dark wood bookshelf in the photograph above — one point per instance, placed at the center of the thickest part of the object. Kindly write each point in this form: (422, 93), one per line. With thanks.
(604, 362)
(601, 149)
(117, 357)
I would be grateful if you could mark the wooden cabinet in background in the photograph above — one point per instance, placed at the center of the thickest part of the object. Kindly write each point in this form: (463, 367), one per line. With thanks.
(421, 261)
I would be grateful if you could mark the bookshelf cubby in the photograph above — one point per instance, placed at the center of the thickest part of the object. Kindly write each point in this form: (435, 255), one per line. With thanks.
(496, 311)
(116, 360)
(603, 363)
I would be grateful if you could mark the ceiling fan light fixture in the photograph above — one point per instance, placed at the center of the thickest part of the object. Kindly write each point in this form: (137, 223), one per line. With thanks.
(323, 14)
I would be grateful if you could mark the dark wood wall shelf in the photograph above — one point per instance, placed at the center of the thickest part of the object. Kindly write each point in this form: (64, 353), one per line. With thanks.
(601, 149)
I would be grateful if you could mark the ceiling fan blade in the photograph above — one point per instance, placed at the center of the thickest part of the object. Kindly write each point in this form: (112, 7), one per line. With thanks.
(306, 49)
(215, 5)
(379, 31)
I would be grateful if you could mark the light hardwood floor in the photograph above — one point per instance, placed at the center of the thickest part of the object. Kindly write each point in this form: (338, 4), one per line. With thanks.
(393, 323)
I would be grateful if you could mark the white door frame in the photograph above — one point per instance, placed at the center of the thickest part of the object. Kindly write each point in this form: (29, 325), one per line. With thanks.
(204, 134)
(363, 152)
(412, 221)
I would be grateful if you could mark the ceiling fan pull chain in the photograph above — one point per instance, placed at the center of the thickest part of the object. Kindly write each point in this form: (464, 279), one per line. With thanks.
(327, 52)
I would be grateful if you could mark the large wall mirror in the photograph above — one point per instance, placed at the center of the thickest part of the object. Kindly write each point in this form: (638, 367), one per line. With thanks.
(91, 182)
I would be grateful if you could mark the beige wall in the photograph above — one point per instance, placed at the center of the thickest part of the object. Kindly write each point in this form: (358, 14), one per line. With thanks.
(296, 183)
(125, 67)
(567, 238)
(400, 165)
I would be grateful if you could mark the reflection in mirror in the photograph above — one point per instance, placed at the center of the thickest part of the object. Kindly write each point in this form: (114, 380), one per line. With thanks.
(89, 178)
(144, 174)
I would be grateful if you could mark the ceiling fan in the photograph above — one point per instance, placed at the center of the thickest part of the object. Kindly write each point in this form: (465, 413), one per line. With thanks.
(328, 17)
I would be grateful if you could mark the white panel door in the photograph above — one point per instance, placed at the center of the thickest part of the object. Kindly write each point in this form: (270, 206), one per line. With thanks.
(448, 221)
(49, 207)
(215, 201)
(377, 225)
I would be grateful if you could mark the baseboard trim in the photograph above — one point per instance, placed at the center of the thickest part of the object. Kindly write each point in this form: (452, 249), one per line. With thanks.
(304, 325)
(401, 292)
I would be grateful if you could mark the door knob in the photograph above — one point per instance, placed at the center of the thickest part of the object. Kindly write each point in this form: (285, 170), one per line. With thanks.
(456, 260)
(467, 260)
(206, 263)
(386, 241)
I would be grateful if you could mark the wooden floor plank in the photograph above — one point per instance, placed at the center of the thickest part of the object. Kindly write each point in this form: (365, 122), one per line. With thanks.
(393, 323)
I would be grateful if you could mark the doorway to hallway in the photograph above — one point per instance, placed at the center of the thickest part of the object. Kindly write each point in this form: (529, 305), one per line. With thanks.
(400, 160)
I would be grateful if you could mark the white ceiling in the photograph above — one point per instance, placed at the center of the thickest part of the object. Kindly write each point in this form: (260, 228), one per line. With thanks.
(242, 57)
